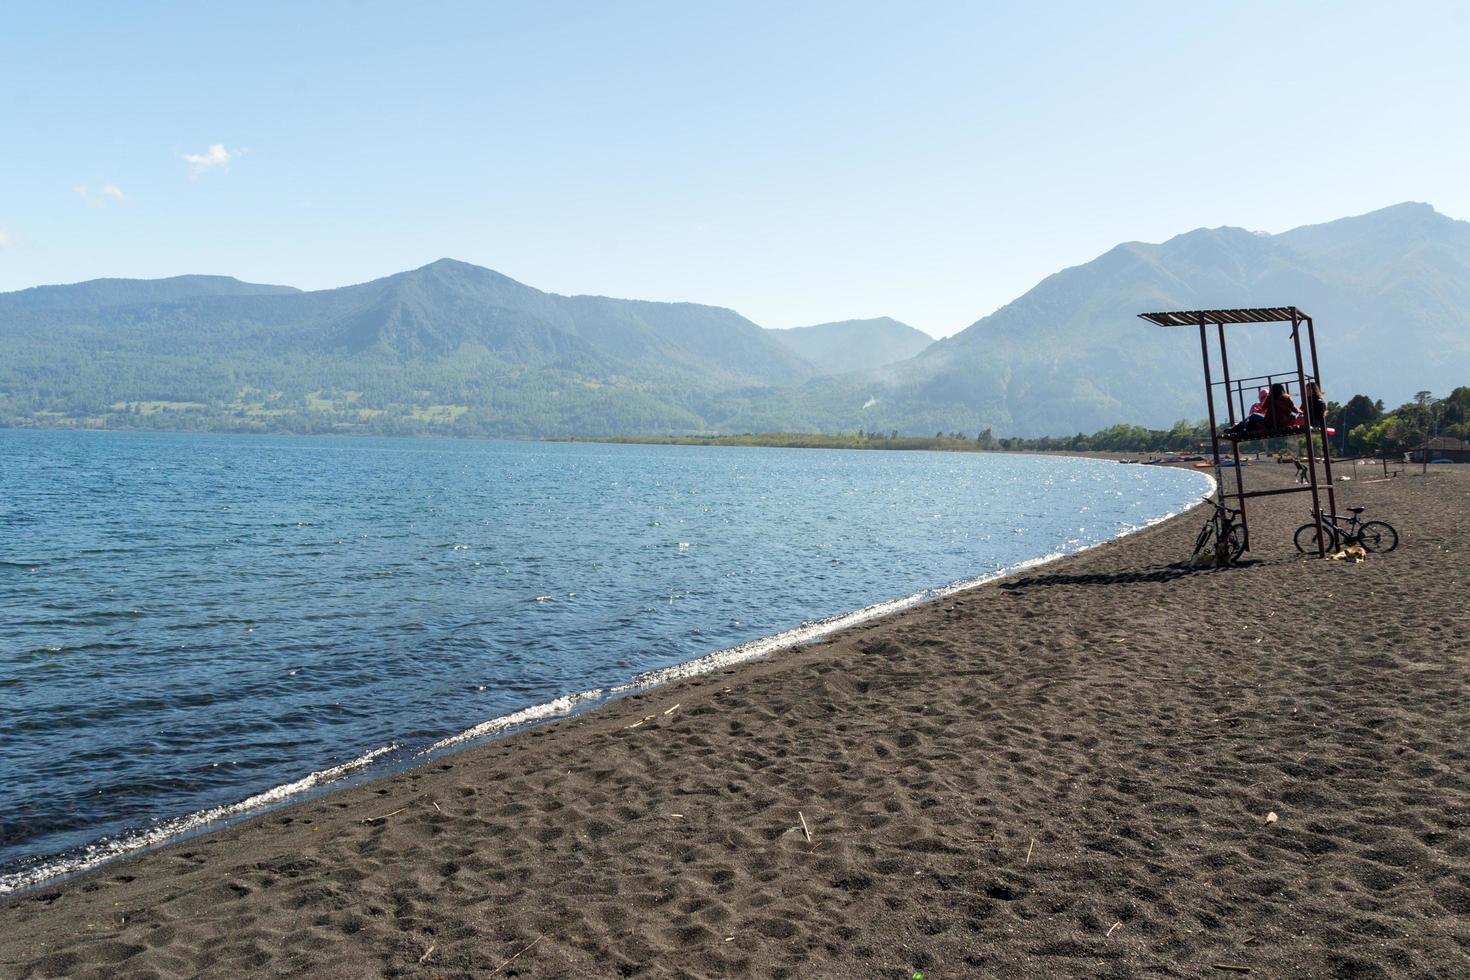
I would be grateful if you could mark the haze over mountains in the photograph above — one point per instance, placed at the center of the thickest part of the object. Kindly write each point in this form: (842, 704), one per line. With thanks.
(456, 349)
(855, 345)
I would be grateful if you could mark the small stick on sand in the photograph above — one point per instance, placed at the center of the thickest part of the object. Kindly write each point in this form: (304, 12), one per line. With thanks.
(1029, 850)
(427, 953)
(384, 816)
(513, 958)
(672, 710)
(436, 806)
(1112, 927)
(804, 829)
(1234, 967)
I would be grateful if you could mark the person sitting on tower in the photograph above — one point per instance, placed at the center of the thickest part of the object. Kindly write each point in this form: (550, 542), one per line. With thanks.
(1316, 405)
(1256, 420)
(1281, 410)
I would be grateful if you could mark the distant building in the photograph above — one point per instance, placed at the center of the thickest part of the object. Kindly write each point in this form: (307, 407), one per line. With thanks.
(1444, 447)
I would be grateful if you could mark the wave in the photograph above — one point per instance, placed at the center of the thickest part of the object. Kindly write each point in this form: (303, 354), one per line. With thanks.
(108, 849)
(537, 712)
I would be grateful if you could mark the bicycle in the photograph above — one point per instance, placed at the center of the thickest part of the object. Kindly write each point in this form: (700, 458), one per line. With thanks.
(1223, 528)
(1377, 537)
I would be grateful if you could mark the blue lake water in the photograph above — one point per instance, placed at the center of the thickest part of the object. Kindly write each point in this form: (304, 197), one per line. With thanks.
(189, 621)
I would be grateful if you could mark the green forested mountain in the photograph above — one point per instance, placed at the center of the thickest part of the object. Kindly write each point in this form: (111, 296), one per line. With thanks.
(854, 345)
(450, 347)
(456, 349)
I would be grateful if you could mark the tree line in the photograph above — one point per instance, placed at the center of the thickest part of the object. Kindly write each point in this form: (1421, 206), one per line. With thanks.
(1362, 428)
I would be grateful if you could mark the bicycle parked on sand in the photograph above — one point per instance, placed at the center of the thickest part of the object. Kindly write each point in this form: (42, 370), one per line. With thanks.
(1223, 527)
(1377, 537)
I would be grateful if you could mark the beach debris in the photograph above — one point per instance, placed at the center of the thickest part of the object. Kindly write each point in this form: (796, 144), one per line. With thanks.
(640, 721)
(1233, 967)
(1271, 818)
(383, 817)
(1115, 925)
(804, 828)
(517, 956)
(672, 710)
(427, 953)
(1029, 849)
(729, 939)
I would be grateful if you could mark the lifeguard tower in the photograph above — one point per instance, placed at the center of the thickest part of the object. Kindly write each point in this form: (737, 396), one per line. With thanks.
(1234, 389)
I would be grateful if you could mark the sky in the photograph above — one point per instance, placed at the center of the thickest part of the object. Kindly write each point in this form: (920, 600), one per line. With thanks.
(799, 162)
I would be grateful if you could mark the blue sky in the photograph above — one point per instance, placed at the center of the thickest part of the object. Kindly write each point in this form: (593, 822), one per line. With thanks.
(798, 162)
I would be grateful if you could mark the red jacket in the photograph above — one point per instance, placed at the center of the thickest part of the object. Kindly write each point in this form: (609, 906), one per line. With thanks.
(1281, 411)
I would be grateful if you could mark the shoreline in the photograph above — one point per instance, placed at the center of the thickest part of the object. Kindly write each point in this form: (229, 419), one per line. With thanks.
(1066, 772)
(103, 852)
(1109, 454)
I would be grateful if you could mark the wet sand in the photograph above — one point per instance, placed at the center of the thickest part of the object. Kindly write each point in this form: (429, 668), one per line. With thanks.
(1067, 773)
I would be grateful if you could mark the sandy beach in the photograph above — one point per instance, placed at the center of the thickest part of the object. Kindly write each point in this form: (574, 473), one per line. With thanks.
(1065, 773)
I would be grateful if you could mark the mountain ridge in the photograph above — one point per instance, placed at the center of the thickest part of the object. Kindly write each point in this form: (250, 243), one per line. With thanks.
(107, 291)
(456, 348)
(843, 346)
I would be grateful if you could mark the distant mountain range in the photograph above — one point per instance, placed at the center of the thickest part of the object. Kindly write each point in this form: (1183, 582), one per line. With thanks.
(456, 349)
(855, 345)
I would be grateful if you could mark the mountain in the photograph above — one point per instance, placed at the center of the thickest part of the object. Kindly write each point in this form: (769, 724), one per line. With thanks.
(456, 349)
(450, 346)
(1389, 293)
(119, 292)
(854, 345)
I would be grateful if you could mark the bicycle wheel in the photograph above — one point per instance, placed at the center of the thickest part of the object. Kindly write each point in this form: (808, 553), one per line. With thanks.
(1306, 538)
(1204, 537)
(1235, 541)
(1379, 537)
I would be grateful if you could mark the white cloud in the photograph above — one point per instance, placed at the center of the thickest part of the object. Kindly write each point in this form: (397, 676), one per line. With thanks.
(215, 156)
(100, 197)
(8, 239)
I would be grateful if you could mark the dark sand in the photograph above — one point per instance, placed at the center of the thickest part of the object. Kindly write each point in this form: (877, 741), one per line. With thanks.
(1066, 774)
